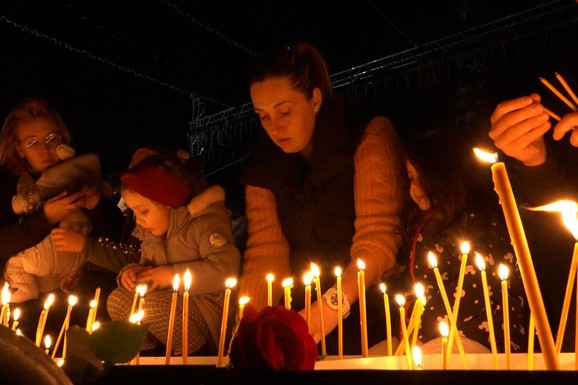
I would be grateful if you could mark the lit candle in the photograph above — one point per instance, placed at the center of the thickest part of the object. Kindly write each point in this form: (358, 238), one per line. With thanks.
(89, 319)
(417, 357)
(362, 307)
(4, 313)
(531, 332)
(42, 319)
(229, 283)
(444, 331)
(141, 302)
(568, 209)
(242, 302)
(174, 298)
(96, 299)
(317, 279)
(47, 343)
(270, 278)
(15, 317)
(432, 260)
(558, 94)
(387, 319)
(339, 313)
(503, 273)
(136, 318)
(307, 278)
(482, 266)
(71, 302)
(185, 343)
(400, 299)
(418, 308)
(287, 285)
(137, 294)
(465, 249)
(518, 239)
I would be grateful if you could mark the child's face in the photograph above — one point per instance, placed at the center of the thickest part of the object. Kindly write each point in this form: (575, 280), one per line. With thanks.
(150, 215)
(415, 190)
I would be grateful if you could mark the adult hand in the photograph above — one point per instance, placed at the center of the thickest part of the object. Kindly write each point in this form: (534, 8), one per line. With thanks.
(518, 128)
(329, 320)
(567, 123)
(128, 277)
(156, 277)
(69, 240)
(90, 197)
(62, 205)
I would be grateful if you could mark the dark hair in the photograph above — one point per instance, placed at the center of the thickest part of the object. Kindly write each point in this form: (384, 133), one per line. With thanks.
(449, 174)
(302, 63)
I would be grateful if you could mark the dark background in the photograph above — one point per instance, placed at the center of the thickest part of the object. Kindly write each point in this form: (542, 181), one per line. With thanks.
(128, 72)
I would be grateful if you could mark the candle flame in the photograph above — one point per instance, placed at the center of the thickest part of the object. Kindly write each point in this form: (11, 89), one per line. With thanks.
(315, 270)
(244, 300)
(49, 301)
(72, 299)
(503, 271)
(141, 289)
(432, 260)
(188, 279)
(270, 277)
(400, 299)
(47, 342)
(444, 329)
(230, 282)
(18, 332)
(16, 314)
(480, 262)
(416, 354)
(307, 278)
(465, 247)
(486, 156)
(337, 271)
(95, 325)
(93, 303)
(419, 290)
(382, 288)
(137, 316)
(5, 294)
(360, 264)
(287, 282)
(568, 209)
(176, 282)
(60, 362)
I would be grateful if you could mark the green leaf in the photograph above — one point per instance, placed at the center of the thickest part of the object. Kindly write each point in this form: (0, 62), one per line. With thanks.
(117, 341)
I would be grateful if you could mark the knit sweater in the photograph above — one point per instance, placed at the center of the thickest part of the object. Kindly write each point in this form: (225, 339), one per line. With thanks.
(378, 192)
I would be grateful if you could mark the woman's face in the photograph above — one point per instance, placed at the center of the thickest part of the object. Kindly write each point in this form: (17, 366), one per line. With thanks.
(151, 216)
(37, 142)
(417, 194)
(287, 115)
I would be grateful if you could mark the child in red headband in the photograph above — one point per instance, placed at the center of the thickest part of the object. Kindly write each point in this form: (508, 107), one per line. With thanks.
(183, 224)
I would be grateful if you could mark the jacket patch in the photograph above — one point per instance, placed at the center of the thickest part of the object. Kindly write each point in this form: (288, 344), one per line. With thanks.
(217, 240)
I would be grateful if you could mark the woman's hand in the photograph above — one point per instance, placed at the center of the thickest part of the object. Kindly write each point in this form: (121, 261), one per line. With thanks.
(60, 206)
(69, 240)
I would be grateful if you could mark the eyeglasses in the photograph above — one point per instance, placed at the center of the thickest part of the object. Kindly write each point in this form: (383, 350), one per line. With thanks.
(51, 140)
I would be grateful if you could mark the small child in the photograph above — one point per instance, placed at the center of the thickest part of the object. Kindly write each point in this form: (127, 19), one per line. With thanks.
(183, 224)
(41, 268)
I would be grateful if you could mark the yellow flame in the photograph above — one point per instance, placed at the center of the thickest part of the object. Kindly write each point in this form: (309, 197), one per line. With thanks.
(287, 282)
(432, 260)
(230, 282)
(400, 299)
(444, 329)
(503, 271)
(382, 288)
(568, 209)
(490, 157)
(307, 278)
(176, 282)
(188, 279)
(480, 262)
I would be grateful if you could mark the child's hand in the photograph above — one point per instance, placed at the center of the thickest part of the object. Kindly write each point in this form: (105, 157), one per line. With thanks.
(65, 239)
(129, 276)
(157, 277)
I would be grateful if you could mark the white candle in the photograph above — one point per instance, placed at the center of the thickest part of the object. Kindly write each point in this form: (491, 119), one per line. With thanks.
(307, 279)
(187, 278)
(339, 313)
(270, 278)
(317, 280)
(518, 238)
(362, 307)
(482, 266)
(388, 337)
(503, 273)
(229, 283)
(172, 312)
(287, 285)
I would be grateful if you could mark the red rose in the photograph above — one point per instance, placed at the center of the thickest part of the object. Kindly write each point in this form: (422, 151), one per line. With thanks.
(274, 338)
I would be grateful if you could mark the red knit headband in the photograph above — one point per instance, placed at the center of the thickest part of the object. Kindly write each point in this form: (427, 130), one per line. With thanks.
(157, 185)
